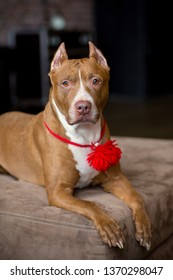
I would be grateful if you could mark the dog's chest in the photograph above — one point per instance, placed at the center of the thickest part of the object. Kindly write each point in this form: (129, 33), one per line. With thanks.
(86, 172)
(81, 135)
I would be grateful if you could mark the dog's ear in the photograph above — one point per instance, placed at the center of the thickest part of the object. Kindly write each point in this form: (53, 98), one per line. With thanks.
(59, 57)
(97, 54)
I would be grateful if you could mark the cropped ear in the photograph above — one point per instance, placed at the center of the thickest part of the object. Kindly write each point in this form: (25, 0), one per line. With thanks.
(59, 57)
(96, 53)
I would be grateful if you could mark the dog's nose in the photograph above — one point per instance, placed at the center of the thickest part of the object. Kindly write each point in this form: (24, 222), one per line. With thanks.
(83, 107)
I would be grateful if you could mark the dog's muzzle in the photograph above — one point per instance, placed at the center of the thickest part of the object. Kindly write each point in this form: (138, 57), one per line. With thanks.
(83, 111)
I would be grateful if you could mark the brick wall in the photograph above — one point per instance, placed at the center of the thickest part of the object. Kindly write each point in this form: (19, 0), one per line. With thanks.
(37, 13)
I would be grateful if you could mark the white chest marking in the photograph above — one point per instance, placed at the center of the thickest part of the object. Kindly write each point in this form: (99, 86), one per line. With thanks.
(86, 172)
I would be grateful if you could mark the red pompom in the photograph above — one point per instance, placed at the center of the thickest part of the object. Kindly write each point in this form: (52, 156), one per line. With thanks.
(104, 156)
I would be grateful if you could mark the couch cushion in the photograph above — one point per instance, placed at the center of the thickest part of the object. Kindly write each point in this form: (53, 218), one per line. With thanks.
(30, 229)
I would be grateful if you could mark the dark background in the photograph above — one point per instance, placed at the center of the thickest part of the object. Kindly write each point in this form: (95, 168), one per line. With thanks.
(135, 37)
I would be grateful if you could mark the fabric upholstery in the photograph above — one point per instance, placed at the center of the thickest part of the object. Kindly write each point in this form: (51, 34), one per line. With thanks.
(30, 229)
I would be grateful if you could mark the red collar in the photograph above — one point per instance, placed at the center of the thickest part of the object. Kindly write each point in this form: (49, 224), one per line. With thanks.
(102, 156)
(77, 144)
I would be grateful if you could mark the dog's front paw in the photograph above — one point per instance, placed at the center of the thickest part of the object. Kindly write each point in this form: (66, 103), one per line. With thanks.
(143, 230)
(110, 232)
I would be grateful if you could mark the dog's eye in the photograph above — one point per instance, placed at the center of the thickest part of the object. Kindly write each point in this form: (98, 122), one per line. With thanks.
(95, 81)
(65, 83)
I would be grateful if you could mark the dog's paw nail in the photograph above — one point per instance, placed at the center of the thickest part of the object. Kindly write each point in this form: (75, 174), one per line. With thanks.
(141, 242)
(120, 244)
(109, 243)
(117, 244)
(148, 246)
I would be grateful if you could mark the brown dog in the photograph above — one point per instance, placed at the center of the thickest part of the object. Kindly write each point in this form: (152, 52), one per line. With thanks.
(30, 150)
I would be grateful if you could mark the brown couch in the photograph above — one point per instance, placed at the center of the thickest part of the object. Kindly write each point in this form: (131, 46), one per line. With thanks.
(30, 229)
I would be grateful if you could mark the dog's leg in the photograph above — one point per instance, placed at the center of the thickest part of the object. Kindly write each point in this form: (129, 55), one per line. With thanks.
(117, 184)
(110, 232)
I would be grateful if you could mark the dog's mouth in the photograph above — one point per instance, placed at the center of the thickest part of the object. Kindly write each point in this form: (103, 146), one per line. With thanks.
(88, 116)
(82, 120)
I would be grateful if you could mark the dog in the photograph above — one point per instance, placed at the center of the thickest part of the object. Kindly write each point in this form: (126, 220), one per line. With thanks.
(63, 147)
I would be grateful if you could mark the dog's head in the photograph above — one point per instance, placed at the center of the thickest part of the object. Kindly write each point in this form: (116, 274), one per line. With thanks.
(79, 86)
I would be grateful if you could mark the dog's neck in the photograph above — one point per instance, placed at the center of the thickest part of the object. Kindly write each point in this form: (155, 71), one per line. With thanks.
(79, 133)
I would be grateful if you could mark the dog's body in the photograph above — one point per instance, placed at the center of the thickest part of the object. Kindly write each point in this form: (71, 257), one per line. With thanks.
(29, 151)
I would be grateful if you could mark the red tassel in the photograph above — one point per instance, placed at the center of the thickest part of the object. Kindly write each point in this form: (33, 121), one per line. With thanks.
(104, 156)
